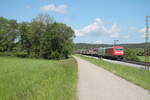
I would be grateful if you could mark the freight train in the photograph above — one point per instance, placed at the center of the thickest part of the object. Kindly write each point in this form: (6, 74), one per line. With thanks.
(114, 52)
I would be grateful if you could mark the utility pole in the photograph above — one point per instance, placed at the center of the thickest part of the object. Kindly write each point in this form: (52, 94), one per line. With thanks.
(115, 42)
(146, 51)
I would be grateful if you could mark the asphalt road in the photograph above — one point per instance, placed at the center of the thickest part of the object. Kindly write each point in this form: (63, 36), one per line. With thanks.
(95, 83)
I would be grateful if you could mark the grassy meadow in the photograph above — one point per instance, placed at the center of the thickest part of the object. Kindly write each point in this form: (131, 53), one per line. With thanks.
(37, 79)
(135, 75)
(142, 58)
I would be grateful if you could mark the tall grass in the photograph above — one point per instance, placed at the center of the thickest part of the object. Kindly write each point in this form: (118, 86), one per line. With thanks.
(142, 58)
(135, 75)
(32, 79)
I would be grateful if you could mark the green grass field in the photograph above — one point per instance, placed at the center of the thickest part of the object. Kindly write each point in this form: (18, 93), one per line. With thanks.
(37, 79)
(137, 76)
(142, 58)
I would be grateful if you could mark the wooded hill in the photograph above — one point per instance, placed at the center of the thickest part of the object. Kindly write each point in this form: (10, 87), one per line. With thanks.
(129, 45)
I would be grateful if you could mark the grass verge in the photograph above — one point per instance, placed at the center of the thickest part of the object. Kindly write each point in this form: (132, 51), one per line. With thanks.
(37, 79)
(142, 58)
(137, 76)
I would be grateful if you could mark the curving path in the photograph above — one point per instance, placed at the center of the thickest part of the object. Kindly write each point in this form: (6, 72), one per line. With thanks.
(95, 83)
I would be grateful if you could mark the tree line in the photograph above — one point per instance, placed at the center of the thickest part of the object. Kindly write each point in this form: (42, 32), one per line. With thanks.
(43, 37)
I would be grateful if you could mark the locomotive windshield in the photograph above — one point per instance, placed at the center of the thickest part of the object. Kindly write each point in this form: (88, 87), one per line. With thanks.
(119, 49)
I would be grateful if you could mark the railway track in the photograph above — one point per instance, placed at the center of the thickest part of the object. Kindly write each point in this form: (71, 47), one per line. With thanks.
(127, 61)
(137, 62)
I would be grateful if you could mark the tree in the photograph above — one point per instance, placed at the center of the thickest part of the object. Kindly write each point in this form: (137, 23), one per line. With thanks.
(8, 33)
(24, 37)
(41, 38)
(57, 40)
(38, 28)
(44, 18)
(130, 55)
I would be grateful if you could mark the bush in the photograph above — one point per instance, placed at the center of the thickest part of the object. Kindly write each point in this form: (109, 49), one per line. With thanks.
(55, 55)
(130, 55)
(6, 54)
(21, 54)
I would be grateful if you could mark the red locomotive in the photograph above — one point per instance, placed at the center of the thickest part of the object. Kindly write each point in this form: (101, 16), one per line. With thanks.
(116, 52)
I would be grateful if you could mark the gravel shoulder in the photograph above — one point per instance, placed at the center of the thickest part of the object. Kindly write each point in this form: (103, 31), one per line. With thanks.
(95, 83)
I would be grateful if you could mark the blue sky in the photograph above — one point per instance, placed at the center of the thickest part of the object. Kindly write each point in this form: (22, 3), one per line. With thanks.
(94, 21)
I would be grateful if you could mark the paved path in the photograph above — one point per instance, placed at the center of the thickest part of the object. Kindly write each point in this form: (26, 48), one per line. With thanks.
(95, 83)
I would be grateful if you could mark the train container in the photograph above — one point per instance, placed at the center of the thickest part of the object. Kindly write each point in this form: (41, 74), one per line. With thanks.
(101, 52)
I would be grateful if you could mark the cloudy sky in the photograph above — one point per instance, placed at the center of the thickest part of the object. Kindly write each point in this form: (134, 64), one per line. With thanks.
(94, 21)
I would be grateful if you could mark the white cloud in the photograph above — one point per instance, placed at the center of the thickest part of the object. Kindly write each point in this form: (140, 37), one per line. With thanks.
(143, 31)
(77, 33)
(99, 28)
(93, 28)
(54, 8)
(114, 31)
(98, 42)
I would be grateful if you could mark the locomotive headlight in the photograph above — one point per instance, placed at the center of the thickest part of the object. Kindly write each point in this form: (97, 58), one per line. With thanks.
(117, 52)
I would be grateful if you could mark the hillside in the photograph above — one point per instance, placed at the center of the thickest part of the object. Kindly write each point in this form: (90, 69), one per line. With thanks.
(129, 45)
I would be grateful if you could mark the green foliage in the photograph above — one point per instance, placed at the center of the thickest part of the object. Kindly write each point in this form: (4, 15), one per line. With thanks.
(130, 55)
(20, 54)
(55, 55)
(8, 34)
(37, 79)
(142, 58)
(41, 38)
(57, 40)
(24, 37)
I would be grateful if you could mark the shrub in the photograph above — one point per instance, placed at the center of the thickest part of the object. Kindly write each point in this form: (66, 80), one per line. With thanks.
(55, 55)
(21, 54)
(130, 55)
